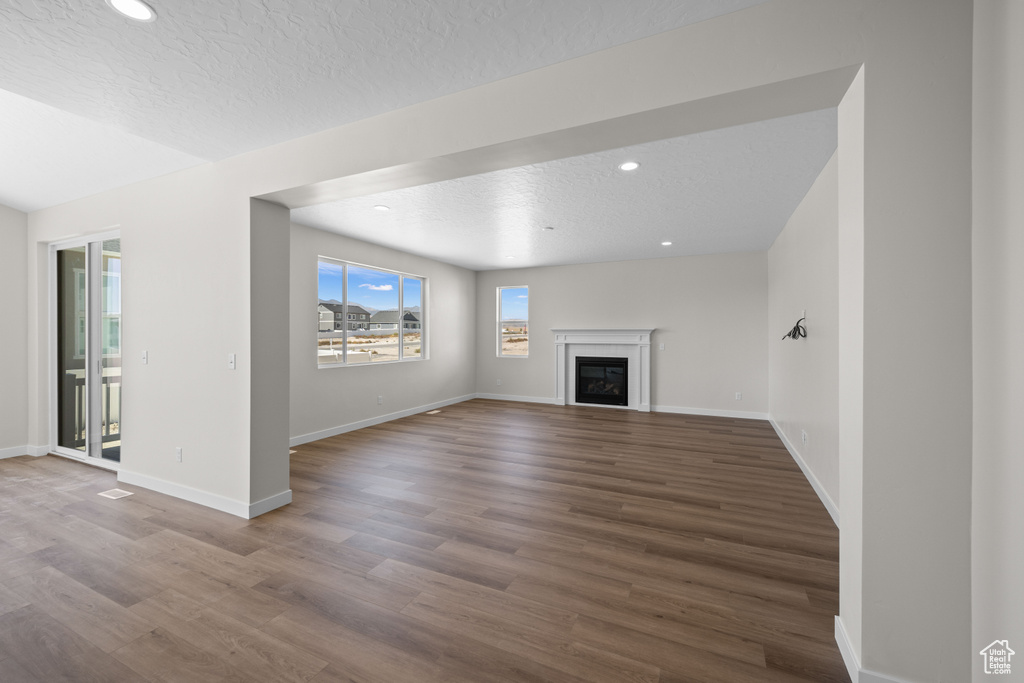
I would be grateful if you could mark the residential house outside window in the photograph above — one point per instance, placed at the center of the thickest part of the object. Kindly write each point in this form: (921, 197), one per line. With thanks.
(383, 310)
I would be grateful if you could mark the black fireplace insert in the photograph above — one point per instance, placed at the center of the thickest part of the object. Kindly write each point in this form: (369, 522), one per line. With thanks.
(602, 380)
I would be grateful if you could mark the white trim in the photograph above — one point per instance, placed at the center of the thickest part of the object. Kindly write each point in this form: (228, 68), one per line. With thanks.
(712, 412)
(13, 452)
(76, 456)
(109, 233)
(399, 327)
(83, 240)
(51, 340)
(850, 658)
(857, 674)
(352, 426)
(634, 344)
(37, 451)
(867, 676)
(500, 331)
(826, 500)
(654, 409)
(204, 498)
(272, 503)
(518, 399)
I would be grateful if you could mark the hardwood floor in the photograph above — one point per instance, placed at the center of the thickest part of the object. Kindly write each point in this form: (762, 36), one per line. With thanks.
(494, 541)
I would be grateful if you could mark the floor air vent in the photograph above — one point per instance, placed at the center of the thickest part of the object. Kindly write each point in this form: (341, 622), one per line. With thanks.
(115, 494)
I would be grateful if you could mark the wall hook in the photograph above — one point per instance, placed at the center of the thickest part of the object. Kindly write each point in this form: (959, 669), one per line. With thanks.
(797, 331)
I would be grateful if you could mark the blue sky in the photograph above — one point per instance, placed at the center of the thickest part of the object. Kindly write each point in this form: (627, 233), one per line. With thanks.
(515, 303)
(368, 287)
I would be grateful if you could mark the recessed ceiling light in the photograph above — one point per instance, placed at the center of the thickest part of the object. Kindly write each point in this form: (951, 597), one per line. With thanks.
(547, 227)
(510, 257)
(629, 166)
(666, 244)
(381, 207)
(133, 9)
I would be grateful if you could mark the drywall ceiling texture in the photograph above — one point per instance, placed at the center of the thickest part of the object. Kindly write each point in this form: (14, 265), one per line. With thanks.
(728, 190)
(217, 78)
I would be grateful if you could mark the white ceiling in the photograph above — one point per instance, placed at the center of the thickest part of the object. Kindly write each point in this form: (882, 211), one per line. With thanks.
(726, 190)
(90, 101)
(215, 78)
(49, 156)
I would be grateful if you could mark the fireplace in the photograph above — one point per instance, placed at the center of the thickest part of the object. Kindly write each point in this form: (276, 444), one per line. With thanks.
(632, 344)
(604, 381)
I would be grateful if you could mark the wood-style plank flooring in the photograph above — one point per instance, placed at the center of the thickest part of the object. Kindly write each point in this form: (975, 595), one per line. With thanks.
(494, 541)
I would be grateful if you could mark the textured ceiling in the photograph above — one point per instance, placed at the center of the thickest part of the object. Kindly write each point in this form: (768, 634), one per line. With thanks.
(216, 78)
(726, 190)
(91, 101)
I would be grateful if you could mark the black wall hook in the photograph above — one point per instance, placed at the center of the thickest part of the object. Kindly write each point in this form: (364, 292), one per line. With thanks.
(797, 331)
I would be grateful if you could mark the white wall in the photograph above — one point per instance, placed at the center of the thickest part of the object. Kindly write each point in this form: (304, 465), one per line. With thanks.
(327, 401)
(850, 154)
(185, 300)
(998, 322)
(188, 261)
(916, 458)
(708, 311)
(13, 332)
(803, 374)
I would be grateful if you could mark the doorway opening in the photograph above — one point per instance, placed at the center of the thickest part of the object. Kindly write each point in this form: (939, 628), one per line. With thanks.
(86, 321)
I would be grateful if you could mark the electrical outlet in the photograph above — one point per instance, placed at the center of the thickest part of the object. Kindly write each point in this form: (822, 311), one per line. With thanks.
(739, 395)
(380, 400)
(803, 437)
(499, 382)
(661, 347)
(177, 453)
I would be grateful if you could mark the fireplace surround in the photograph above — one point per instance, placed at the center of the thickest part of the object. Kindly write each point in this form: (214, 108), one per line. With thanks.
(632, 343)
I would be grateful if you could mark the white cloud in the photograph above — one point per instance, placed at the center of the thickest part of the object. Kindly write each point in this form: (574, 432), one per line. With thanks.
(523, 296)
(377, 288)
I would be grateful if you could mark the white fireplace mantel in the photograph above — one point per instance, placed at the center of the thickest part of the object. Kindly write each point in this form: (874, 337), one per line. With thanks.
(633, 344)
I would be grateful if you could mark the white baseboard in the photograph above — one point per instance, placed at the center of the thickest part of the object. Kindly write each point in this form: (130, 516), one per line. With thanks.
(518, 399)
(17, 451)
(654, 409)
(875, 677)
(352, 426)
(850, 658)
(272, 503)
(742, 414)
(826, 500)
(205, 498)
(852, 661)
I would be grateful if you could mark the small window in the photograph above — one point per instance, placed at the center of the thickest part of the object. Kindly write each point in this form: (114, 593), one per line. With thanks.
(368, 294)
(514, 321)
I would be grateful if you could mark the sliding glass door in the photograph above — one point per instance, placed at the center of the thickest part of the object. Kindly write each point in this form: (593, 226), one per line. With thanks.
(87, 348)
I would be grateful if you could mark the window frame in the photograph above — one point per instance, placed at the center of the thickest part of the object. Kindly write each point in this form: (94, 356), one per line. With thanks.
(344, 315)
(499, 327)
